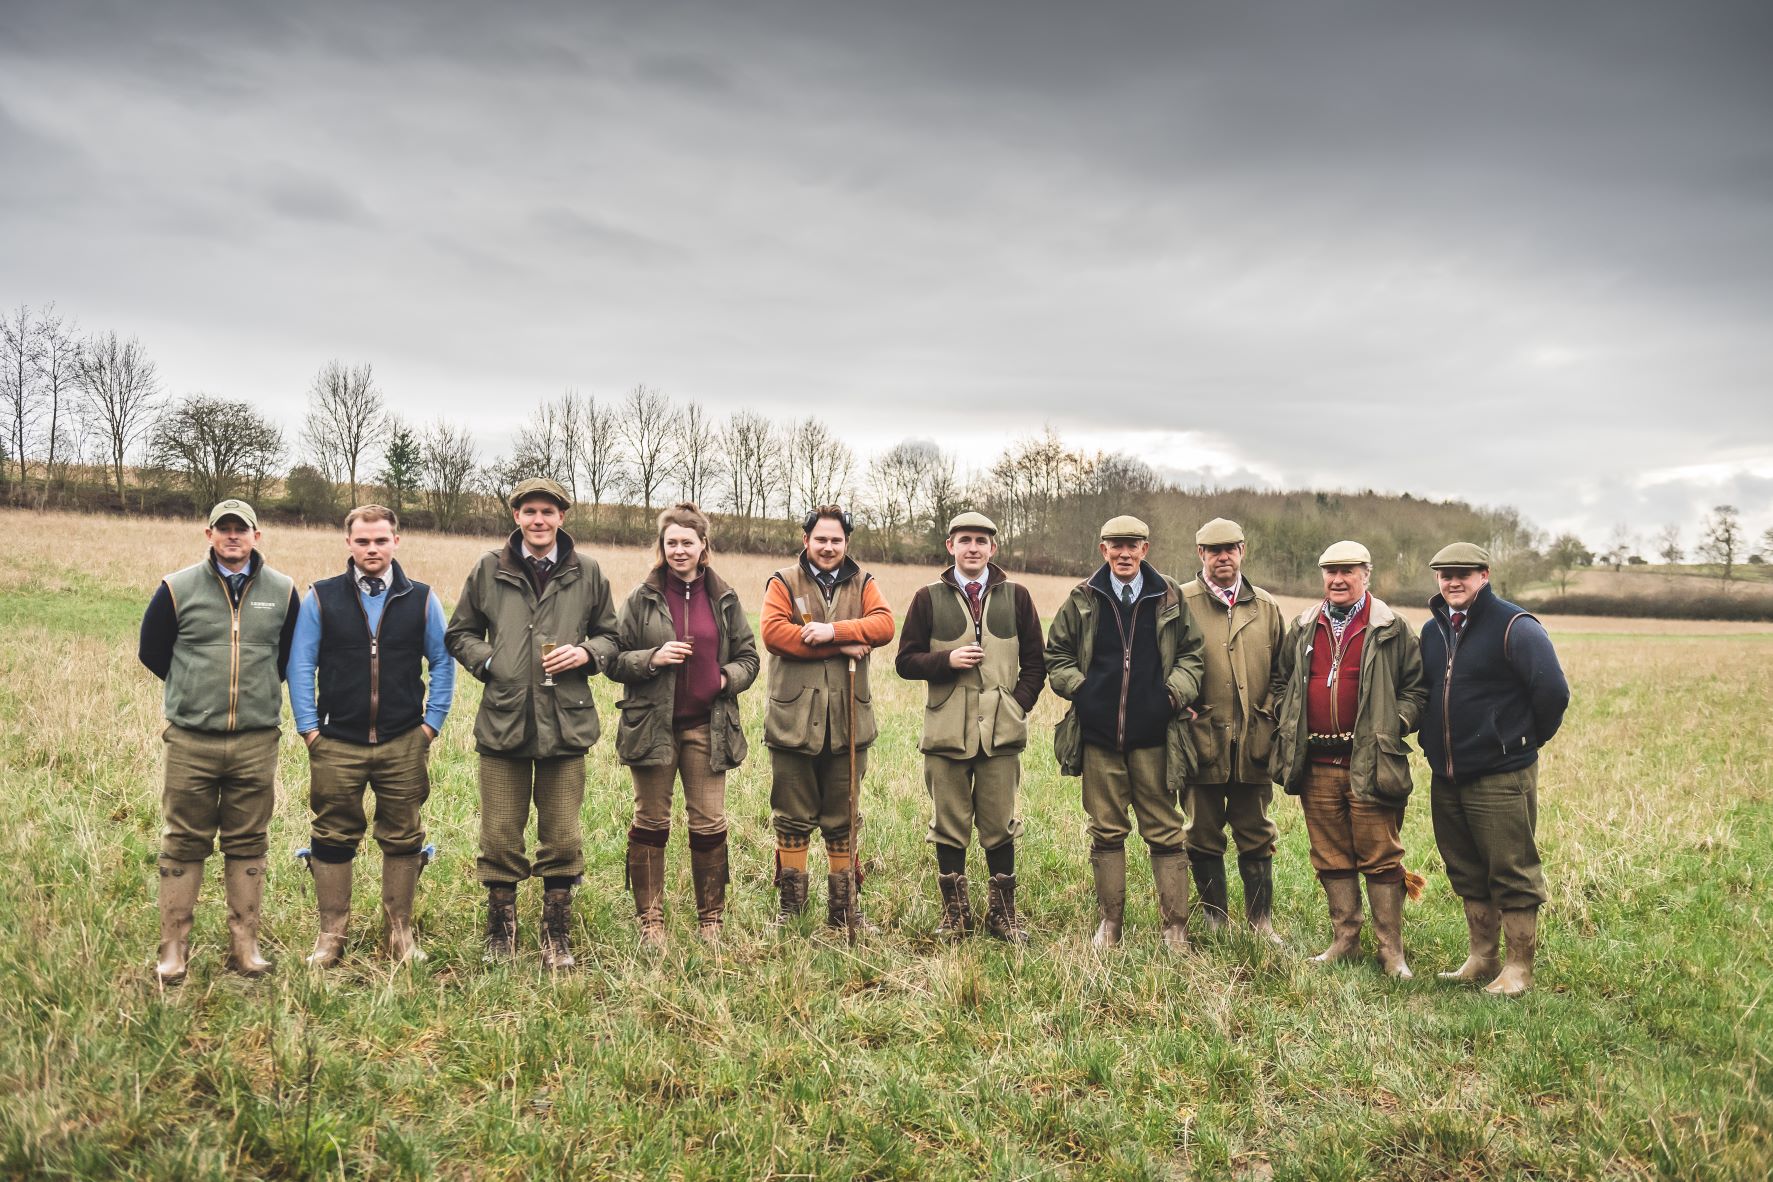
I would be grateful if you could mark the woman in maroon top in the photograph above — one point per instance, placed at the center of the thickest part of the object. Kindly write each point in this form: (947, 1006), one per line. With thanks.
(687, 653)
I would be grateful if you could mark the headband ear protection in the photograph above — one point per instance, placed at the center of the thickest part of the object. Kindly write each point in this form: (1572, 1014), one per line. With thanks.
(813, 516)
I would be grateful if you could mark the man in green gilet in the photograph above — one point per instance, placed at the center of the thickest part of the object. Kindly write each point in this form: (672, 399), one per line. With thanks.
(975, 637)
(218, 634)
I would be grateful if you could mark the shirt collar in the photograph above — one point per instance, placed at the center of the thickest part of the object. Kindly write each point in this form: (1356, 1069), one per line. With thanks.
(362, 579)
(225, 572)
(553, 554)
(961, 580)
(1237, 588)
(1137, 583)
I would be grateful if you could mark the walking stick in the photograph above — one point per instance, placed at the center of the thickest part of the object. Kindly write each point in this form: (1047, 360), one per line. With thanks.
(855, 907)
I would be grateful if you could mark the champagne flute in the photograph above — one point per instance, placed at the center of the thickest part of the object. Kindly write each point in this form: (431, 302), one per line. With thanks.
(548, 646)
(806, 613)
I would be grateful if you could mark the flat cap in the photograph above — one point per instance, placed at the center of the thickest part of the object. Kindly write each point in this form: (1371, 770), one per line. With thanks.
(1345, 553)
(1126, 526)
(541, 485)
(972, 520)
(234, 507)
(1219, 532)
(1461, 554)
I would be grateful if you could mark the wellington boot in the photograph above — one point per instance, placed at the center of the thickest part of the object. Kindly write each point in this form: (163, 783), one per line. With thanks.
(1483, 924)
(1521, 930)
(646, 877)
(243, 880)
(501, 922)
(1387, 901)
(843, 906)
(1109, 868)
(1002, 920)
(957, 907)
(400, 882)
(1344, 895)
(792, 884)
(332, 899)
(179, 883)
(1169, 873)
(1209, 880)
(557, 923)
(709, 872)
(1258, 875)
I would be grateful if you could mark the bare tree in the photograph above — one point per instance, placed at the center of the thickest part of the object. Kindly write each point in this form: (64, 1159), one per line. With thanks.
(899, 482)
(697, 453)
(1668, 545)
(1620, 546)
(748, 463)
(596, 451)
(647, 426)
(1723, 539)
(448, 459)
(121, 392)
(20, 345)
(542, 447)
(217, 446)
(1567, 553)
(58, 366)
(820, 466)
(346, 417)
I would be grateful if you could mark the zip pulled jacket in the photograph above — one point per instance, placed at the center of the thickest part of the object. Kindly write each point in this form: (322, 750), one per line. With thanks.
(1496, 693)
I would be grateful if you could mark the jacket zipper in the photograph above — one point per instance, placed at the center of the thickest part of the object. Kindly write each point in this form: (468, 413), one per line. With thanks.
(1126, 672)
(233, 640)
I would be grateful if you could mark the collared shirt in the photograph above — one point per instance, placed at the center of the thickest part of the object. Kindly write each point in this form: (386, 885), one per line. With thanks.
(363, 582)
(1227, 596)
(1136, 583)
(552, 556)
(304, 659)
(961, 581)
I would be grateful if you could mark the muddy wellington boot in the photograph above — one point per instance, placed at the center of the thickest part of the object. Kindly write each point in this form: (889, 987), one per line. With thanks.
(1344, 895)
(557, 923)
(1002, 921)
(1169, 873)
(179, 883)
(646, 877)
(709, 872)
(243, 880)
(1109, 867)
(1257, 871)
(400, 882)
(1209, 880)
(1387, 901)
(332, 899)
(1483, 924)
(1521, 930)
(501, 921)
(957, 907)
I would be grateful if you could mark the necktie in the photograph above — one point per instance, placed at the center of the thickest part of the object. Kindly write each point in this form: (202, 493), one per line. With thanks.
(1126, 595)
(373, 585)
(1458, 623)
(973, 598)
(236, 584)
(1229, 595)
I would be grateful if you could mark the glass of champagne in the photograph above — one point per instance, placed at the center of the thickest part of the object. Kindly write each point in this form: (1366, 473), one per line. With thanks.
(548, 646)
(806, 613)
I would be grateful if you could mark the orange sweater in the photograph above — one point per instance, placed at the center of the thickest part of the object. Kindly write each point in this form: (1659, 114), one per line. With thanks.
(781, 626)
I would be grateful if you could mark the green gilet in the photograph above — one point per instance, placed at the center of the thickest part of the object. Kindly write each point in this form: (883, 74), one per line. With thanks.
(808, 709)
(224, 662)
(975, 714)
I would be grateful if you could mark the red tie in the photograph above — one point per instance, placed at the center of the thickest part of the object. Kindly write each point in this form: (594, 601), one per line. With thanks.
(973, 599)
(1458, 623)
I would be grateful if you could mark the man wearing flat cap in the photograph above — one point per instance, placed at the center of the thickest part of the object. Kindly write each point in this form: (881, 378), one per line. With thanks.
(975, 637)
(1125, 652)
(534, 623)
(1233, 728)
(1349, 683)
(218, 634)
(1496, 694)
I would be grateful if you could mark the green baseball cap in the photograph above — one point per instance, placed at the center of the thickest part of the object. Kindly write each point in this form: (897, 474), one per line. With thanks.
(233, 507)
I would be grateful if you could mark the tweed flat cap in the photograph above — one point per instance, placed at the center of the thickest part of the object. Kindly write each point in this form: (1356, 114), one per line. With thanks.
(1345, 553)
(233, 507)
(1461, 554)
(1126, 526)
(972, 520)
(1219, 532)
(541, 485)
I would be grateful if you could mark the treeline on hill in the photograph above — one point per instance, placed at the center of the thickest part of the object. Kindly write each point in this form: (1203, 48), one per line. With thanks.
(89, 425)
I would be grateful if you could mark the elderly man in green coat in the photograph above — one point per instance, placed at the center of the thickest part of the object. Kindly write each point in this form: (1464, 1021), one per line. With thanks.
(534, 622)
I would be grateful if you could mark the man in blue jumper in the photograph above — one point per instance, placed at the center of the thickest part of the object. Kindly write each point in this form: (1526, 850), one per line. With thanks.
(361, 706)
(1495, 696)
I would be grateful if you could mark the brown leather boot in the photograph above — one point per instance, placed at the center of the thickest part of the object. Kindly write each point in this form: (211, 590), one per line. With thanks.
(793, 887)
(243, 880)
(332, 899)
(709, 871)
(557, 923)
(1521, 929)
(1002, 921)
(400, 882)
(844, 906)
(1169, 873)
(1344, 896)
(646, 876)
(1483, 924)
(501, 921)
(1209, 880)
(1109, 867)
(957, 907)
(1257, 871)
(1387, 901)
(179, 884)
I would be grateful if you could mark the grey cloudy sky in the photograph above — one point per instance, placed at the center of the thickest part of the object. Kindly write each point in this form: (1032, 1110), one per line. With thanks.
(1511, 252)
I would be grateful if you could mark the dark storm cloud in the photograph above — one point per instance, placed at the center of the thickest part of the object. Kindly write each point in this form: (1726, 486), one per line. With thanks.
(1510, 252)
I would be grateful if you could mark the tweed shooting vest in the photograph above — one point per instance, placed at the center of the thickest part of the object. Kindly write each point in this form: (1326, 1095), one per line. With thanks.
(808, 708)
(224, 663)
(977, 713)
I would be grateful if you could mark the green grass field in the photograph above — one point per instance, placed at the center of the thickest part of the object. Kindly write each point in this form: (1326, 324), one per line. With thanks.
(1641, 1054)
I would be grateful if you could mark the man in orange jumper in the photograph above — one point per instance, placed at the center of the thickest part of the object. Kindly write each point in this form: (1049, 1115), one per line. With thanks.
(819, 615)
